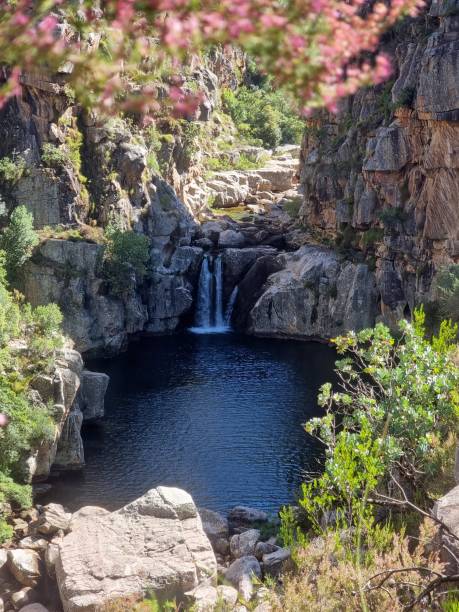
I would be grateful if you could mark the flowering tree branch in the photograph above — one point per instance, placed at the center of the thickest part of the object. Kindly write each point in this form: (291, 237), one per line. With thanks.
(314, 48)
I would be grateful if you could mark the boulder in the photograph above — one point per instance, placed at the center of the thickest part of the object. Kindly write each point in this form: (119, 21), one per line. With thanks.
(35, 607)
(53, 519)
(264, 548)
(203, 599)
(241, 572)
(231, 238)
(92, 394)
(243, 544)
(25, 566)
(155, 543)
(243, 515)
(3, 558)
(227, 595)
(25, 598)
(275, 562)
(215, 525)
(33, 543)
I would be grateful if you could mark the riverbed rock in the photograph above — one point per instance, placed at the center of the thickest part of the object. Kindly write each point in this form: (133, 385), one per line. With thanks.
(33, 543)
(3, 558)
(243, 515)
(155, 543)
(203, 599)
(241, 572)
(25, 566)
(243, 544)
(34, 607)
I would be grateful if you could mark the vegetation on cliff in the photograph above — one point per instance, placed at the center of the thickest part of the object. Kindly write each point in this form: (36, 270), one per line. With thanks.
(29, 338)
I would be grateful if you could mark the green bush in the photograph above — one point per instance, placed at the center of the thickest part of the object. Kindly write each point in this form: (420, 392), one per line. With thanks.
(18, 240)
(11, 170)
(263, 116)
(396, 407)
(53, 156)
(126, 255)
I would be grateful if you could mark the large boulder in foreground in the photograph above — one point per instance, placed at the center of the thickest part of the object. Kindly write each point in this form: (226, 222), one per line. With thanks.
(155, 543)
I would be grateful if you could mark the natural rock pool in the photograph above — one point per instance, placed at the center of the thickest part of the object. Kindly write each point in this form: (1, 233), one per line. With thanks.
(219, 415)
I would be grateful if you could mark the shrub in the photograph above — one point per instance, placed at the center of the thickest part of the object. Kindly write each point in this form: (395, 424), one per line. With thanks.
(18, 240)
(393, 215)
(126, 255)
(11, 170)
(53, 156)
(371, 236)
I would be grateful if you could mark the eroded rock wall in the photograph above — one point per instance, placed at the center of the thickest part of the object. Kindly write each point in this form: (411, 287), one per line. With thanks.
(381, 180)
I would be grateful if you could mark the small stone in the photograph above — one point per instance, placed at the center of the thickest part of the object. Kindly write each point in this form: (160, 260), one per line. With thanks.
(33, 543)
(24, 597)
(204, 598)
(51, 555)
(25, 566)
(20, 526)
(52, 519)
(3, 557)
(274, 562)
(29, 515)
(227, 595)
(35, 607)
(264, 548)
(243, 545)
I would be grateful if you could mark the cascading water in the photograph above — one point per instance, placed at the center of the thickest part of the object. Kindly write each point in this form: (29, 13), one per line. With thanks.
(209, 318)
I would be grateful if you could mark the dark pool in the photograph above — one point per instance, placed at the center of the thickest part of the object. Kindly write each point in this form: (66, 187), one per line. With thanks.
(219, 415)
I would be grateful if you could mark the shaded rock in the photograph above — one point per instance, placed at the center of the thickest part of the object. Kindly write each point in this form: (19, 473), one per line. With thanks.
(3, 558)
(154, 543)
(25, 566)
(221, 546)
(243, 544)
(231, 238)
(215, 525)
(92, 394)
(52, 519)
(274, 563)
(264, 548)
(26, 597)
(51, 556)
(245, 515)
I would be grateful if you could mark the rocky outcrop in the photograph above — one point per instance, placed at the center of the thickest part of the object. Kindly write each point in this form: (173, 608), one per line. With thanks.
(153, 544)
(315, 295)
(381, 178)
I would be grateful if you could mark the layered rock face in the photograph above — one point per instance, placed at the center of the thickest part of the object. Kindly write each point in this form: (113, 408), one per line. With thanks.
(75, 395)
(382, 178)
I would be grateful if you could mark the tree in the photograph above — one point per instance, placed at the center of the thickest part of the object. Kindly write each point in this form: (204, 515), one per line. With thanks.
(18, 240)
(125, 258)
(314, 48)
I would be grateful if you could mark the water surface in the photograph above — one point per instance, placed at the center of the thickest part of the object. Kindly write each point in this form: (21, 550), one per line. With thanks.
(219, 415)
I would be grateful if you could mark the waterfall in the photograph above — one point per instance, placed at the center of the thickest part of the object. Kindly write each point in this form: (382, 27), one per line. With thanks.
(204, 303)
(210, 315)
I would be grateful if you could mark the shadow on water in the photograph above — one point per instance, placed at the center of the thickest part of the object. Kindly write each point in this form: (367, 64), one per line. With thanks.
(217, 415)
